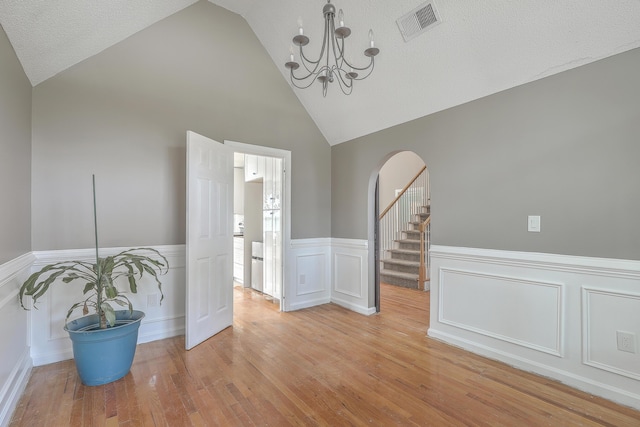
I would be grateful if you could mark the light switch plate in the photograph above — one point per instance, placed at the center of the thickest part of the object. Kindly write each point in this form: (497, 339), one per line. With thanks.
(533, 223)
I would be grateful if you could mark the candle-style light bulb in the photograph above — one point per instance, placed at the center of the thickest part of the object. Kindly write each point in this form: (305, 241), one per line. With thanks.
(300, 25)
(340, 18)
(371, 39)
(291, 54)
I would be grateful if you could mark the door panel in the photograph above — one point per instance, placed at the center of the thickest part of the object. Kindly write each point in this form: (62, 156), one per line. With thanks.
(209, 239)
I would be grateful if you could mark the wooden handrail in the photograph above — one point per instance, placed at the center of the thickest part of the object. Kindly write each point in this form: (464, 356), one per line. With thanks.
(402, 192)
(422, 272)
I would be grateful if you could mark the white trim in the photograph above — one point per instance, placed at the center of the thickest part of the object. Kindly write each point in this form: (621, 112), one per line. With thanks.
(310, 243)
(579, 382)
(367, 311)
(336, 281)
(578, 278)
(42, 258)
(285, 218)
(52, 357)
(302, 295)
(586, 338)
(10, 269)
(350, 243)
(309, 303)
(14, 387)
(566, 263)
(165, 329)
(351, 292)
(15, 354)
(555, 351)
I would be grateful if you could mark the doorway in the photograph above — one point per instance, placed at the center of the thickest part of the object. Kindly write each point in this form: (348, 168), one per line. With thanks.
(402, 203)
(257, 228)
(273, 209)
(209, 234)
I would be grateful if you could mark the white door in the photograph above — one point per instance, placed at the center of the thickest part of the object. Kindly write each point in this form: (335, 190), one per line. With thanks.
(209, 248)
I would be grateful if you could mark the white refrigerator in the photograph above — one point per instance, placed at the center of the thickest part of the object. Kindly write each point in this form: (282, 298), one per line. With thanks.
(257, 266)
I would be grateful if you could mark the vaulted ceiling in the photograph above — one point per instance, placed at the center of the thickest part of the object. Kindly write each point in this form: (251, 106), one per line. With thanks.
(479, 48)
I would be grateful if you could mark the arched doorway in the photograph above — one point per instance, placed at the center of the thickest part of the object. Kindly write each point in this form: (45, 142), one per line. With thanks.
(402, 223)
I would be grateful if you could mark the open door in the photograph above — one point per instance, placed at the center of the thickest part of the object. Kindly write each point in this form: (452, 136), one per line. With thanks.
(209, 239)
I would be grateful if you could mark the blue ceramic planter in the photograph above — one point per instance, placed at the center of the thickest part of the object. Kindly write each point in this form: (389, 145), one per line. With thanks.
(104, 355)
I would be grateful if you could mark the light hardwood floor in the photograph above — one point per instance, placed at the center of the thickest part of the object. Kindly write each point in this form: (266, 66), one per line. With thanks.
(323, 366)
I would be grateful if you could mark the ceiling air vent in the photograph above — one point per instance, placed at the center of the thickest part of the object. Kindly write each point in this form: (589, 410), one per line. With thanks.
(418, 20)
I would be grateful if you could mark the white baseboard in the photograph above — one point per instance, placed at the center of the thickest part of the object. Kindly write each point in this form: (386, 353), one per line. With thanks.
(309, 303)
(367, 311)
(159, 329)
(607, 391)
(554, 315)
(13, 389)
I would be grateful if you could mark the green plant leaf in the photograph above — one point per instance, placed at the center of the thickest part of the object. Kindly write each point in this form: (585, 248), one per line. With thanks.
(109, 313)
(120, 302)
(133, 286)
(73, 307)
(70, 277)
(89, 286)
(111, 291)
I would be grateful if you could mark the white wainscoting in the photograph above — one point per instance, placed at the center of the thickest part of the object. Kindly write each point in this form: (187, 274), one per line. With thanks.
(308, 273)
(554, 315)
(50, 343)
(350, 278)
(15, 361)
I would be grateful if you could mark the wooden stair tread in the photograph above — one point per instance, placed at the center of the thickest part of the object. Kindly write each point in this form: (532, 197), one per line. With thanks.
(401, 262)
(408, 276)
(404, 251)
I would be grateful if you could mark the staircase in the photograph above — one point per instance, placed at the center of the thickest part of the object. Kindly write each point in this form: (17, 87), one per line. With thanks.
(401, 265)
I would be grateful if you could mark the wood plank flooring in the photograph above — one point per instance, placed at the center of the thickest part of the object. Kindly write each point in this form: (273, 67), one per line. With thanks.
(323, 366)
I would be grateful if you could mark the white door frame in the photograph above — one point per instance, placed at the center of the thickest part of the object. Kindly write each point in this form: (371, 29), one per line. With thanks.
(285, 210)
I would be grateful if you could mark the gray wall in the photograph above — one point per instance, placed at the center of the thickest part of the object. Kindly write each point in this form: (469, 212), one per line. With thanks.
(566, 147)
(15, 155)
(123, 115)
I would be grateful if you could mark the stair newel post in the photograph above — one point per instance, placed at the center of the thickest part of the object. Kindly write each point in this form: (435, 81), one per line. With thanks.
(422, 272)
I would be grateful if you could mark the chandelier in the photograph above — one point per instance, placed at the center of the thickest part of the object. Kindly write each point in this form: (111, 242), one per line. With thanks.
(332, 64)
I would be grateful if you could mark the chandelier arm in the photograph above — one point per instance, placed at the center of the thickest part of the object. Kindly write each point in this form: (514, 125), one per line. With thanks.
(344, 85)
(361, 68)
(306, 62)
(324, 45)
(342, 76)
(341, 57)
(294, 79)
(305, 77)
(370, 68)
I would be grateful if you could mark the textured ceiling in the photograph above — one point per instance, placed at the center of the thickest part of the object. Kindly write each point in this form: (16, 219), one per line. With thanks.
(480, 48)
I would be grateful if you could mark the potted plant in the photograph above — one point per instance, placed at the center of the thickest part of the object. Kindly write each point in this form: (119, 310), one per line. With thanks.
(105, 339)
